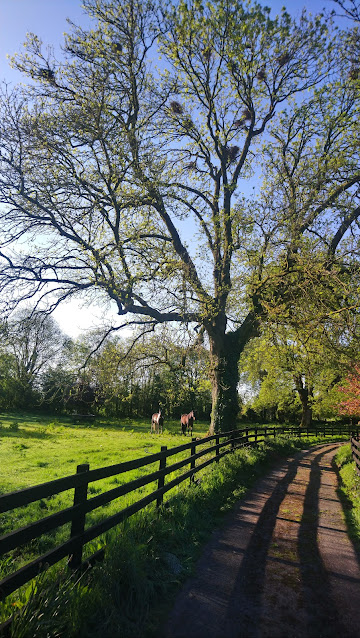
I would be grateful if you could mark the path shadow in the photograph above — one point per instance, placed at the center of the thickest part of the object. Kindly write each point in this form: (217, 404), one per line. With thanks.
(244, 609)
(322, 616)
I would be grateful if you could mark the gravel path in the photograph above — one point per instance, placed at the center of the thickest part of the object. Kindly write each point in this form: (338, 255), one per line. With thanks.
(283, 565)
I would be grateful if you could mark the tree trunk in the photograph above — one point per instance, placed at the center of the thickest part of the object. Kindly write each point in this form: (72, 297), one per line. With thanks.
(225, 351)
(305, 395)
(224, 358)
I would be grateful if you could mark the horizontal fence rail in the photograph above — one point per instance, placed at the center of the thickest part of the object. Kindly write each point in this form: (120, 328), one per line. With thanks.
(202, 452)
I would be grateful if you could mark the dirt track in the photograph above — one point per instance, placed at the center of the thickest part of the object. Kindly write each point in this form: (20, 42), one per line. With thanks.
(282, 566)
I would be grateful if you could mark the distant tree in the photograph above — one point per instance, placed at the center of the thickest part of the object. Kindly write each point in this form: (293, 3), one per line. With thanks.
(134, 379)
(9, 389)
(57, 384)
(295, 369)
(30, 343)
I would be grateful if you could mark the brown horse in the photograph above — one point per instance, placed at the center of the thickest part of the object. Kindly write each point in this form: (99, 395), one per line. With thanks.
(157, 421)
(186, 422)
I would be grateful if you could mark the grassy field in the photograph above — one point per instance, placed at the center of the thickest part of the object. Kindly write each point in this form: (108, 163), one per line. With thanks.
(35, 450)
(349, 492)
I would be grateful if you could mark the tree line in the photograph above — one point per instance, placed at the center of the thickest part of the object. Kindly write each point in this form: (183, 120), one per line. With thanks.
(43, 369)
(285, 376)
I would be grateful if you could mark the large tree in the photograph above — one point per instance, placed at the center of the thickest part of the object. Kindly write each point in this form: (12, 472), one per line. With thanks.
(127, 180)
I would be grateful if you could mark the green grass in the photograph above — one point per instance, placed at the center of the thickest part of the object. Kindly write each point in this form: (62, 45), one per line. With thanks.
(129, 592)
(36, 450)
(349, 492)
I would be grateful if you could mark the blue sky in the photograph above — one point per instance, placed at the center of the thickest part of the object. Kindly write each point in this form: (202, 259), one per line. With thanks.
(47, 18)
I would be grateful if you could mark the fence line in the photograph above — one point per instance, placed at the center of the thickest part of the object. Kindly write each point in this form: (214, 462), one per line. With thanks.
(220, 445)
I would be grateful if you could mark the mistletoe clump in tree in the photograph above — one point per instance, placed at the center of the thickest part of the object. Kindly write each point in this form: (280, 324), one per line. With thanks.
(124, 182)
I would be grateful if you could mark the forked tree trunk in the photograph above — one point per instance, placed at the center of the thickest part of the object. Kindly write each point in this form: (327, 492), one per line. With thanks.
(305, 395)
(225, 351)
(224, 374)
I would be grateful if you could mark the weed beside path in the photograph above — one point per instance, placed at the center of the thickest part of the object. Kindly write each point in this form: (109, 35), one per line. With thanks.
(349, 492)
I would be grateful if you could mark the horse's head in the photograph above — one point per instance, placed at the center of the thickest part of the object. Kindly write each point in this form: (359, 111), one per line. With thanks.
(192, 414)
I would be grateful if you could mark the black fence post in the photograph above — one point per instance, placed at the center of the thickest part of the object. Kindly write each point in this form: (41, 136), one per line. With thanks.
(256, 435)
(233, 440)
(78, 522)
(192, 457)
(217, 451)
(247, 435)
(161, 481)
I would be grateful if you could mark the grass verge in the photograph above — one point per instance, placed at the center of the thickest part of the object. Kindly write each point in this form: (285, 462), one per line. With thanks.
(147, 558)
(349, 492)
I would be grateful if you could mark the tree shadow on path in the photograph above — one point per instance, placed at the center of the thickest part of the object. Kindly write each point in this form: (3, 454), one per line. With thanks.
(245, 605)
(244, 611)
(242, 563)
(323, 618)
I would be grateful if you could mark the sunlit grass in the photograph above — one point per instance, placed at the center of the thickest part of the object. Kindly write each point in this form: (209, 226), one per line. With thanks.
(349, 491)
(36, 450)
(43, 449)
(129, 593)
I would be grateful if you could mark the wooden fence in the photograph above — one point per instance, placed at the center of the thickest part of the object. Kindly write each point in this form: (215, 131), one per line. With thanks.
(206, 450)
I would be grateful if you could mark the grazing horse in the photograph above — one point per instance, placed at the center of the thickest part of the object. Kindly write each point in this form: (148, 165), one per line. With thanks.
(157, 421)
(186, 422)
